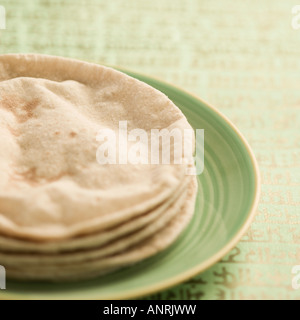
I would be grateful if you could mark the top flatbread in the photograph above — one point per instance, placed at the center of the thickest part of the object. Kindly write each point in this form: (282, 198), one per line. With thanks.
(51, 185)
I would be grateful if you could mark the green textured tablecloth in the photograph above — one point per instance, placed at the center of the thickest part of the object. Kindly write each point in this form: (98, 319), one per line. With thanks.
(241, 56)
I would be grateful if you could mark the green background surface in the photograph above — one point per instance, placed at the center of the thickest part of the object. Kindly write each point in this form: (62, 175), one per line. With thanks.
(242, 57)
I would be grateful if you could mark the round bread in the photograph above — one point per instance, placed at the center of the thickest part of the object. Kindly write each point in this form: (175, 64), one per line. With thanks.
(51, 109)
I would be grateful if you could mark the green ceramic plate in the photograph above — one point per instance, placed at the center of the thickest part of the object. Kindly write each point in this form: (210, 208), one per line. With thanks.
(227, 200)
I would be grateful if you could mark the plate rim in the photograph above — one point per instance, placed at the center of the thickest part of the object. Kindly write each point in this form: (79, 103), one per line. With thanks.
(184, 276)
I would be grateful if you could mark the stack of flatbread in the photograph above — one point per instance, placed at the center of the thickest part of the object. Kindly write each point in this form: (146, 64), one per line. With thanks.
(64, 215)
